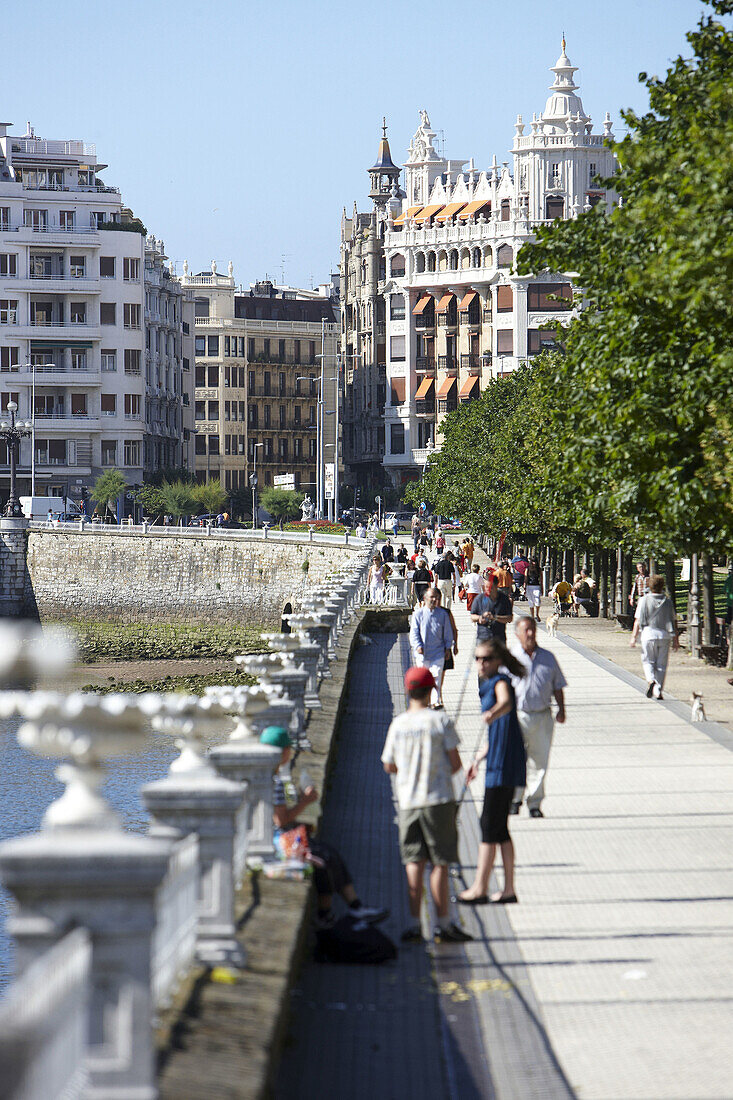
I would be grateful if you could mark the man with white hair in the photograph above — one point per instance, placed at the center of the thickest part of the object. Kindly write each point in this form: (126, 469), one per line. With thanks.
(431, 638)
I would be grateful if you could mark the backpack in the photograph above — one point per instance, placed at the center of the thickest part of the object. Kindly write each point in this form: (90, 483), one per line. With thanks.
(353, 941)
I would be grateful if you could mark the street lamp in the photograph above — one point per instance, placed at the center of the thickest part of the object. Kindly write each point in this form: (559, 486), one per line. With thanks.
(12, 434)
(253, 484)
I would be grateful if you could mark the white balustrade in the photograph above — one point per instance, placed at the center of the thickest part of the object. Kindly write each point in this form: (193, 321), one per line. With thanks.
(176, 919)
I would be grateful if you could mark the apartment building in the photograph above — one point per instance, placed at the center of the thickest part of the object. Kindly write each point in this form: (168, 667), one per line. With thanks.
(169, 365)
(457, 314)
(73, 321)
(258, 380)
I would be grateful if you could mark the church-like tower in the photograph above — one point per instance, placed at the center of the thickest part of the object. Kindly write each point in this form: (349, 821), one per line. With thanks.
(384, 175)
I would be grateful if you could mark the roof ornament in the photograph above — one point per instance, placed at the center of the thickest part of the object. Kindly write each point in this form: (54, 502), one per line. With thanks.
(384, 127)
(185, 267)
(230, 269)
(213, 267)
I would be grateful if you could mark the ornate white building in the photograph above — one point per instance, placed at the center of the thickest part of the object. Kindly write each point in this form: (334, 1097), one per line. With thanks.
(456, 314)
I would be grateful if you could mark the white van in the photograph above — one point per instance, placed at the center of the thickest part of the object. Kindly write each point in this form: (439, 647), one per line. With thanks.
(37, 507)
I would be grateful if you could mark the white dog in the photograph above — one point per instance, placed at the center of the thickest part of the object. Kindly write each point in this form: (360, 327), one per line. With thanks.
(698, 709)
(551, 624)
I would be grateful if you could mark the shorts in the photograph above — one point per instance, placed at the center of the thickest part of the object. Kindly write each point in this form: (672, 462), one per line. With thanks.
(429, 833)
(495, 815)
(533, 595)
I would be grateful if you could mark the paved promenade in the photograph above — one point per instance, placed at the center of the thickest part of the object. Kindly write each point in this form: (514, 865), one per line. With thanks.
(610, 979)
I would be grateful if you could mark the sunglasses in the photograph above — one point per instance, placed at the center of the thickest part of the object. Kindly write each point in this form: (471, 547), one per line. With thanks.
(486, 658)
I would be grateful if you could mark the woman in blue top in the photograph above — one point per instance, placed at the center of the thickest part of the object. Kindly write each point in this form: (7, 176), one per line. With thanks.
(506, 763)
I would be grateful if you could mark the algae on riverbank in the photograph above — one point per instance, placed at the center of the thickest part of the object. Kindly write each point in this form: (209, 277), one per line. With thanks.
(98, 641)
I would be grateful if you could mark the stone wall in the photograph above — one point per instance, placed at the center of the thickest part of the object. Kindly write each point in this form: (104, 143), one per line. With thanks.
(170, 578)
(13, 580)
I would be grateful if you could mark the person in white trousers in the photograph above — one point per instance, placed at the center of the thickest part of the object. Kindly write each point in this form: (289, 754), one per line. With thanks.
(656, 619)
(534, 692)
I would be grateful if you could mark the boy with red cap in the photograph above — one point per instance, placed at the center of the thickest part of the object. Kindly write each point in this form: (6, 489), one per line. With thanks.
(421, 751)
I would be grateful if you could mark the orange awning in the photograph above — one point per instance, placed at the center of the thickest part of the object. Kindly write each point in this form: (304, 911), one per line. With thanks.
(444, 302)
(423, 304)
(407, 214)
(423, 390)
(466, 300)
(448, 211)
(427, 212)
(446, 386)
(474, 208)
(468, 386)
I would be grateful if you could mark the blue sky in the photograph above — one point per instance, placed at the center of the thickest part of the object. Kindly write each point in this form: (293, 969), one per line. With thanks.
(239, 129)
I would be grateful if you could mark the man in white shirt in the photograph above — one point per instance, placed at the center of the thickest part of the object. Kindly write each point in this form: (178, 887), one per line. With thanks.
(534, 694)
(421, 751)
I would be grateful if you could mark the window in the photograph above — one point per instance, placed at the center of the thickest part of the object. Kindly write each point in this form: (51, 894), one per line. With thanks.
(200, 412)
(8, 264)
(132, 406)
(109, 452)
(212, 349)
(266, 384)
(252, 413)
(504, 256)
(250, 348)
(397, 267)
(77, 267)
(281, 350)
(297, 448)
(268, 416)
(4, 217)
(549, 296)
(213, 444)
(554, 208)
(266, 348)
(397, 439)
(200, 445)
(131, 312)
(213, 376)
(282, 416)
(504, 299)
(67, 219)
(283, 448)
(312, 415)
(311, 448)
(108, 404)
(540, 340)
(109, 359)
(132, 361)
(296, 414)
(592, 173)
(107, 267)
(200, 375)
(9, 359)
(78, 404)
(397, 307)
(297, 387)
(200, 345)
(131, 273)
(593, 198)
(506, 210)
(35, 219)
(131, 452)
(281, 384)
(6, 398)
(8, 311)
(311, 351)
(213, 410)
(78, 313)
(201, 307)
(505, 342)
(78, 360)
(555, 175)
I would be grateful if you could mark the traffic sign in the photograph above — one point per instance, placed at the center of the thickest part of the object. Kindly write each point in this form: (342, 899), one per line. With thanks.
(284, 481)
(329, 481)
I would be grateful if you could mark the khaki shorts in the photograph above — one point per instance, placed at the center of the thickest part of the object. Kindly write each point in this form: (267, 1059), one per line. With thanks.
(429, 833)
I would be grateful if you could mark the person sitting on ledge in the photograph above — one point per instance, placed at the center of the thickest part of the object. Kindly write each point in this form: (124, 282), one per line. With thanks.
(330, 873)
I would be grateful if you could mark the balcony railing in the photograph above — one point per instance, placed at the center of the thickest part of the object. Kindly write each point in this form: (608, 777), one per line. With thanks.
(471, 363)
(423, 323)
(425, 408)
(425, 363)
(446, 320)
(447, 362)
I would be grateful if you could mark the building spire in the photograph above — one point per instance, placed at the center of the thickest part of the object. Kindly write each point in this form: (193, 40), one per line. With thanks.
(384, 127)
(563, 41)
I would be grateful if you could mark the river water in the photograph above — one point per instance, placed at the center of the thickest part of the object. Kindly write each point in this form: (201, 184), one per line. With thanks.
(28, 785)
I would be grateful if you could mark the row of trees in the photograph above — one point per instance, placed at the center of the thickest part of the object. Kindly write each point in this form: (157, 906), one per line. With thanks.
(624, 439)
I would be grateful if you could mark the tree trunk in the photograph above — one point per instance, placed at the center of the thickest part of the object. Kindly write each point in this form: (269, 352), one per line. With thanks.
(708, 601)
(693, 622)
(568, 564)
(619, 601)
(603, 585)
(670, 574)
(652, 566)
(626, 564)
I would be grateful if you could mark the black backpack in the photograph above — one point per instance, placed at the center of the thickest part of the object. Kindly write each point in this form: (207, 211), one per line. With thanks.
(351, 941)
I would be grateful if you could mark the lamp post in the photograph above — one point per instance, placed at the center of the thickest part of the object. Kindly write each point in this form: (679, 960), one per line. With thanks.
(12, 434)
(253, 484)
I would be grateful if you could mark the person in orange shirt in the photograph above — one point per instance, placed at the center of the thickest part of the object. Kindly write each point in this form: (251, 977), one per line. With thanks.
(504, 579)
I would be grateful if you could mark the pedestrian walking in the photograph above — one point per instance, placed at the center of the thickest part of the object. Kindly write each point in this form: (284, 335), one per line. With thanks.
(491, 611)
(432, 638)
(473, 585)
(444, 573)
(422, 578)
(640, 587)
(655, 618)
(533, 588)
(421, 751)
(505, 758)
(376, 580)
(387, 551)
(415, 530)
(534, 692)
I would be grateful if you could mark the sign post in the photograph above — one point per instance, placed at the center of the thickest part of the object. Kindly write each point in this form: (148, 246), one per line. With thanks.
(284, 481)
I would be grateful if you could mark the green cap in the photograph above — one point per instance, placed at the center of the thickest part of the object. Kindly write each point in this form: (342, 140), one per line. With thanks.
(277, 736)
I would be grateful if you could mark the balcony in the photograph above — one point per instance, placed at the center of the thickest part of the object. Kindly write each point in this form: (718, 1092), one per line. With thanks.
(447, 363)
(425, 324)
(72, 331)
(487, 316)
(425, 408)
(447, 320)
(425, 364)
(420, 455)
(59, 284)
(471, 363)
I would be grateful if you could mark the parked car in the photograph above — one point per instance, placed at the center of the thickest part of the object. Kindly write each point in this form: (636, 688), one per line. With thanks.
(404, 520)
(201, 521)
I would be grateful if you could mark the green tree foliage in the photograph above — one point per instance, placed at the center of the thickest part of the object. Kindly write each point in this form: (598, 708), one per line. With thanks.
(647, 381)
(107, 489)
(178, 498)
(282, 504)
(211, 496)
(150, 497)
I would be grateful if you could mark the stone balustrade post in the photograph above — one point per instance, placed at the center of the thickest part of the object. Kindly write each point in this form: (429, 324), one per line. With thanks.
(201, 802)
(13, 551)
(249, 761)
(103, 880)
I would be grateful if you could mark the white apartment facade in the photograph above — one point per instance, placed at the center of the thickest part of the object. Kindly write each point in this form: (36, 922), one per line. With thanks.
(72, 318)
(457, 314)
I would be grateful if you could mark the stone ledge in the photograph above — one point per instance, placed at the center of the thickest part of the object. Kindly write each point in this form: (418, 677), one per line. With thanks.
(222, 1041)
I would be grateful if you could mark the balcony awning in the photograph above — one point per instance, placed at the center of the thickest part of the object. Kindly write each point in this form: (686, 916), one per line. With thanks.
(424, 389)
(398, 386)
(445, 302)
(448, 211)
(468, 387)
(446, 386)
(466, 300)
(423, 304)
(407, 214)
(427, 212)
(474, 208)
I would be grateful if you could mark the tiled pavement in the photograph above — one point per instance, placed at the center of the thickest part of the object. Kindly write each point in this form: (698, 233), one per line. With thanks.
(610, 979)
